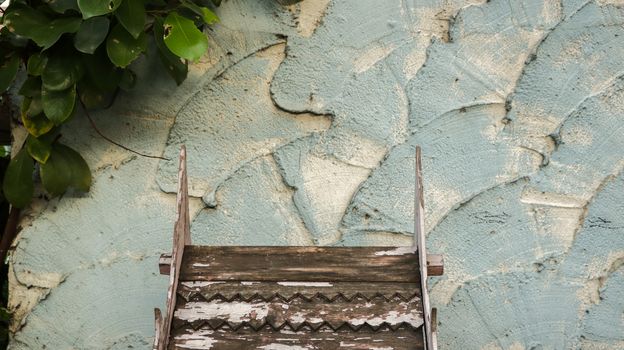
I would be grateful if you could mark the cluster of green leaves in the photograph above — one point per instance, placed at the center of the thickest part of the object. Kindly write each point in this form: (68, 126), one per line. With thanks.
(79, 52)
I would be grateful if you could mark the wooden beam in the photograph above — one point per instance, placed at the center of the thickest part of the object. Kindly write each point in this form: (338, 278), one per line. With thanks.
(226, 339)
(435, 262)
(181, 233)
(419, 244)
(158, 336)
(435, 265)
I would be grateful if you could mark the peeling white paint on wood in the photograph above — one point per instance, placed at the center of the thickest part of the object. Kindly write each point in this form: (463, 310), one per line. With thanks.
(396, 251)
(200, 339)
(201, 265)
(277, 346)
(231, 311)
(305, 284)
(198, 284)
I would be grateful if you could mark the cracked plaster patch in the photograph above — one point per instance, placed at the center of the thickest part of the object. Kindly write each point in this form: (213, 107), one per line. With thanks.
(255, 208)
(231, 121)
(453, 147)
(511, 310)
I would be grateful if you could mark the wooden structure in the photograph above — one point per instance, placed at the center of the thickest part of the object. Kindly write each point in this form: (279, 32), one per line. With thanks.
(279, 298)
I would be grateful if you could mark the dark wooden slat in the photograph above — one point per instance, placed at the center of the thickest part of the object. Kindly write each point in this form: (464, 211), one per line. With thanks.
(358, 264)
(184, 339)
(306, 291)
(435, 264)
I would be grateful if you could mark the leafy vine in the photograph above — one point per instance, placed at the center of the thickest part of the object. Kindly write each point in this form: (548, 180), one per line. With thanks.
(78, 53)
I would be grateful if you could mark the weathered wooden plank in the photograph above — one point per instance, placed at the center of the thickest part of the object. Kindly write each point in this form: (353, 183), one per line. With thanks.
(225, 339)
(361, 264)
(435, 263)
(434, 328)
(419, 243)
(180, 233)
(289, 291)
(299, 313)
(158, 336)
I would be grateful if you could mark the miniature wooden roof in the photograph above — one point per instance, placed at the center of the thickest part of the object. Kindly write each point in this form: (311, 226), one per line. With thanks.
(295, 297)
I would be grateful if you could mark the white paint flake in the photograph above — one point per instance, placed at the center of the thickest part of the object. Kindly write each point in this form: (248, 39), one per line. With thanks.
(396, 251)
(305, 284)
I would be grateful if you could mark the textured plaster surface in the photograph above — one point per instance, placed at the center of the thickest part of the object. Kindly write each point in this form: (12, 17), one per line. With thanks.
(301, 124)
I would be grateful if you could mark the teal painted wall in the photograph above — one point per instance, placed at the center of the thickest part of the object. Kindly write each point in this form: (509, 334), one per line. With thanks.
(300, 125)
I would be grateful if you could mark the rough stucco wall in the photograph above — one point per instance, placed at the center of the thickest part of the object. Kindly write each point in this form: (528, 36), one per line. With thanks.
(301, 125)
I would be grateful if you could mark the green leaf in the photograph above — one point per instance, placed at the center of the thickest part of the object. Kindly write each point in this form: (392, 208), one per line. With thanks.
(92, 96)
(204, 13)
(131, 14)
(31, 87)
(37, 125)
(18, 184)
(92, 8)
(33, 118)
(35, 25)
(5, 151)
(122, 48)
(32, 106)
(101, 71)
(12, 38)
(61, 6)
(58, 105)
(8, 71)
(173, 64)
(91, 34)
(65, 168)
(183, 38)
(62, 71)
(38, 148)
(36, 64)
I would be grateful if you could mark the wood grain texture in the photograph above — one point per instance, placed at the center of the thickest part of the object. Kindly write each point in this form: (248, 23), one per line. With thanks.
(181, 232)
(314, 264)
(226, 339)
(419, 240)
(289, 291)
(299, 314)
(435, 262)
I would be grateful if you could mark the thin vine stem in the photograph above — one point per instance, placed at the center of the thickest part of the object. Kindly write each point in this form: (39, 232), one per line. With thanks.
(97, 130)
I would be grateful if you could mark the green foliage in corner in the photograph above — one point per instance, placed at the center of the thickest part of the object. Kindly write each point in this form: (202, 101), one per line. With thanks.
(80, 52)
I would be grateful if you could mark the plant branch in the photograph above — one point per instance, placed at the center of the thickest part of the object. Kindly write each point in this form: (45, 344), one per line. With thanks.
(94, 126)
(10, 231)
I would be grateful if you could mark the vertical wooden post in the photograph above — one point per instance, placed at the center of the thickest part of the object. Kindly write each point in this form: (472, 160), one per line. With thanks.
(181, 237)
(419, 248)
(158, 334)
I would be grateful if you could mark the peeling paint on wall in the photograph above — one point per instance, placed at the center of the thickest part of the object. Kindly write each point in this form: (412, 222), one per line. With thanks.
(301, 124)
